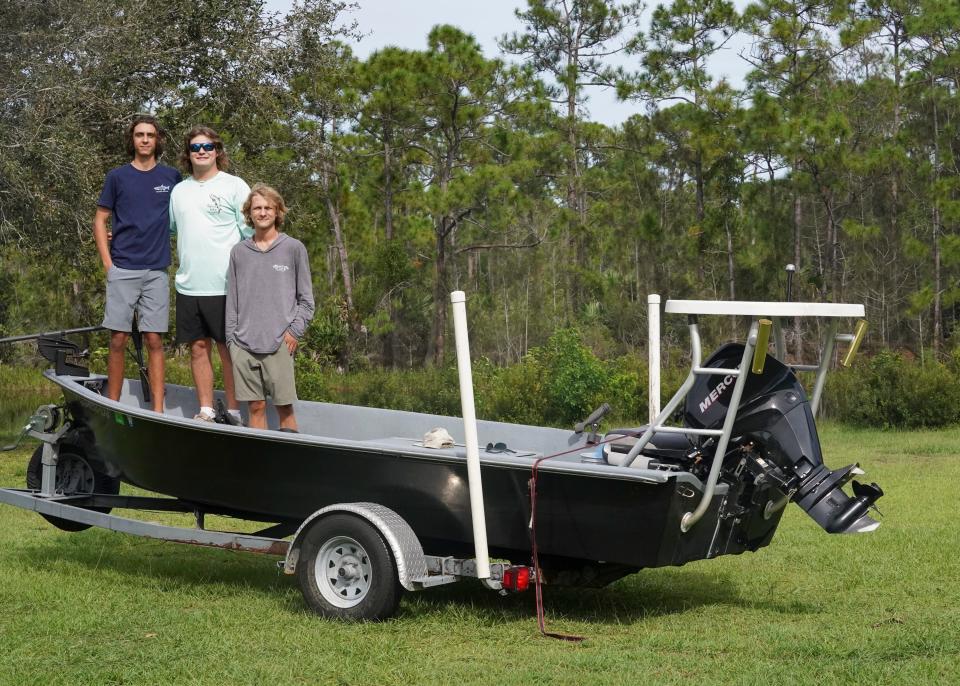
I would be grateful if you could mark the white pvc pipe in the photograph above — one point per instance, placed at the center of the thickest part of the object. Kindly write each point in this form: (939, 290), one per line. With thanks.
(458, 298)
(653, 355)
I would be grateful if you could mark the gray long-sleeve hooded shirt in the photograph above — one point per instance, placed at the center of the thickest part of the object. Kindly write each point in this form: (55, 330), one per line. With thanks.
(269, 292)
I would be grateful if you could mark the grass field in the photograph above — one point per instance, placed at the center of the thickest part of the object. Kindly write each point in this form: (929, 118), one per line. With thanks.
(104, 608)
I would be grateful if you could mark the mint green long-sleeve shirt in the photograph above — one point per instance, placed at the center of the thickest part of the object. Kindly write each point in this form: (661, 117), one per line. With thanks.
(207, 219)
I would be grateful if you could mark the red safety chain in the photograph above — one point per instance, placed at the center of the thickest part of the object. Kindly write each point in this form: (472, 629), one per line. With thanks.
(541, 622)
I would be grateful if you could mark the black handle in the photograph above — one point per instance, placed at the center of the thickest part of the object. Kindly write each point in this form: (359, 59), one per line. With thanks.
(594, 418)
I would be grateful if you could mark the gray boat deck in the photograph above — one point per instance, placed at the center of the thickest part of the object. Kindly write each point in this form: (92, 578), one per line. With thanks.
(392, 431)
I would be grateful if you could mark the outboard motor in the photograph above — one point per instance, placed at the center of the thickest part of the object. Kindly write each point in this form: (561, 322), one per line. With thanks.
(776, 417)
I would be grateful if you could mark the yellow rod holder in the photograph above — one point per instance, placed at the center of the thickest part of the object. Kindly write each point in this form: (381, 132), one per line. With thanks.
(760, 352)
(857, 338)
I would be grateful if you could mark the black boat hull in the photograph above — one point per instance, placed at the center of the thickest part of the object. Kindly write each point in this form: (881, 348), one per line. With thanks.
(584, 516)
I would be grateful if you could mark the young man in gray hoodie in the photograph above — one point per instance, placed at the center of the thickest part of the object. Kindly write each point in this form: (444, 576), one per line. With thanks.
(269, 304)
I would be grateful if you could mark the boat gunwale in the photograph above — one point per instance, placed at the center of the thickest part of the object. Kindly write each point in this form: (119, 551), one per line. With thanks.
(562, 465)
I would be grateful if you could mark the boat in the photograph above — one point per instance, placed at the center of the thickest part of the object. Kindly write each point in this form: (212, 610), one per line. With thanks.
(599, 506)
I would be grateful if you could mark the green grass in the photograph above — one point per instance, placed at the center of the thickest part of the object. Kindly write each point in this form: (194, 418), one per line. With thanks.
(105, 608)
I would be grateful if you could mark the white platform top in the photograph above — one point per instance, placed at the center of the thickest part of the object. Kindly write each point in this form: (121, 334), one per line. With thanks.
(763, 309)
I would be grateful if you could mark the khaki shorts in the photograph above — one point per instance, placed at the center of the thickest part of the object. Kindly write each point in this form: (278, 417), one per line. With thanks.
(257, 375)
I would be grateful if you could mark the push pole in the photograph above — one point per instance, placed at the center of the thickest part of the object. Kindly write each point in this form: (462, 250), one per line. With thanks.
(653, 355)
(458, 298)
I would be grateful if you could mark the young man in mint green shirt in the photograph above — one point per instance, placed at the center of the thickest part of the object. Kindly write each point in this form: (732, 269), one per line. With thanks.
(207, 218)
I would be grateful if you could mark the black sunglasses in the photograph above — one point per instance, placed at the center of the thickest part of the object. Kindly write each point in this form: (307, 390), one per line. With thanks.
(197, 147)
(499, 448)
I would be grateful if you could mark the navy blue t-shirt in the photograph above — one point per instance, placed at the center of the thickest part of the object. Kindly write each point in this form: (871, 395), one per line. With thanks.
(140, 202)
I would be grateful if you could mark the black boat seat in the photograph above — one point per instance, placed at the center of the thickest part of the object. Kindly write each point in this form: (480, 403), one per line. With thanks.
(662, 448)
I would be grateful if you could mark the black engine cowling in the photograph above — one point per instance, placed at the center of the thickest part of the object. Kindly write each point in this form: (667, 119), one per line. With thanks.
(775, 416)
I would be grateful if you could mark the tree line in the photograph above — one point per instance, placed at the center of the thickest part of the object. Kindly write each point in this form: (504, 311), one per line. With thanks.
(412, 173)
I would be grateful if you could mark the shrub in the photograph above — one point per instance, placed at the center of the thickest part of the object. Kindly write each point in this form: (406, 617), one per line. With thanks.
(933, 393)
(313, 380)
(327, 336)
(511, 394)
(562, 382)
(626, 391)
(574, 381)
(432, 390)
(888, 391)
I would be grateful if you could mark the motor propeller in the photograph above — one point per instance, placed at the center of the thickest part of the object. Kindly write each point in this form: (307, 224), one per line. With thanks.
(822, 497)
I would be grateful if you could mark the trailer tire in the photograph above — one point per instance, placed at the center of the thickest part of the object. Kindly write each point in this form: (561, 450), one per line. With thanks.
(346, 570)
(75, 476)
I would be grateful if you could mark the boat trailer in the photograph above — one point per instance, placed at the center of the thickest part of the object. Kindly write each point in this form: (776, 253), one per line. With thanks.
(341, 569)
(341, 552)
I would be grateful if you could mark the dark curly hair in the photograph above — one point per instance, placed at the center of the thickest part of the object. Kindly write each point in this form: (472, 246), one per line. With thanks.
(223, 160)
(145, 119)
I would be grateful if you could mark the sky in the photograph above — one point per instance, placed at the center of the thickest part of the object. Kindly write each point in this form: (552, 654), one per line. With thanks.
(405, 23)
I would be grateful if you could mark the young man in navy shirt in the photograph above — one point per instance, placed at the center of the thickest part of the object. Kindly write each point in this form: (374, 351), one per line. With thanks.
(136, 199)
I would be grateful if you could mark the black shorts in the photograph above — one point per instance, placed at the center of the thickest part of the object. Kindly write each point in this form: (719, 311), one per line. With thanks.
(201, 316)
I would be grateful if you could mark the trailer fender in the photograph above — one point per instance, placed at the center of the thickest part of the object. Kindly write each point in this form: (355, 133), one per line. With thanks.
(400, 537)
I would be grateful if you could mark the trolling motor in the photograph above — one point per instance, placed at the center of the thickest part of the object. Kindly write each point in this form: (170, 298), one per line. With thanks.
(69, 359)
(66, 356)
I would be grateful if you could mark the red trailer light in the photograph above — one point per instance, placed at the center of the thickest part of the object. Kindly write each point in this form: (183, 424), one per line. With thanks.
(516, 578)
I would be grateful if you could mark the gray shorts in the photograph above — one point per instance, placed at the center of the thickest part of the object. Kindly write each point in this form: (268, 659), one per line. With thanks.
(145, 290)
(257, 375)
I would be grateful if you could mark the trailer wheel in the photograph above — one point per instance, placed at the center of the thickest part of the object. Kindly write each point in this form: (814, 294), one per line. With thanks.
(75, 476)
(346, 570)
